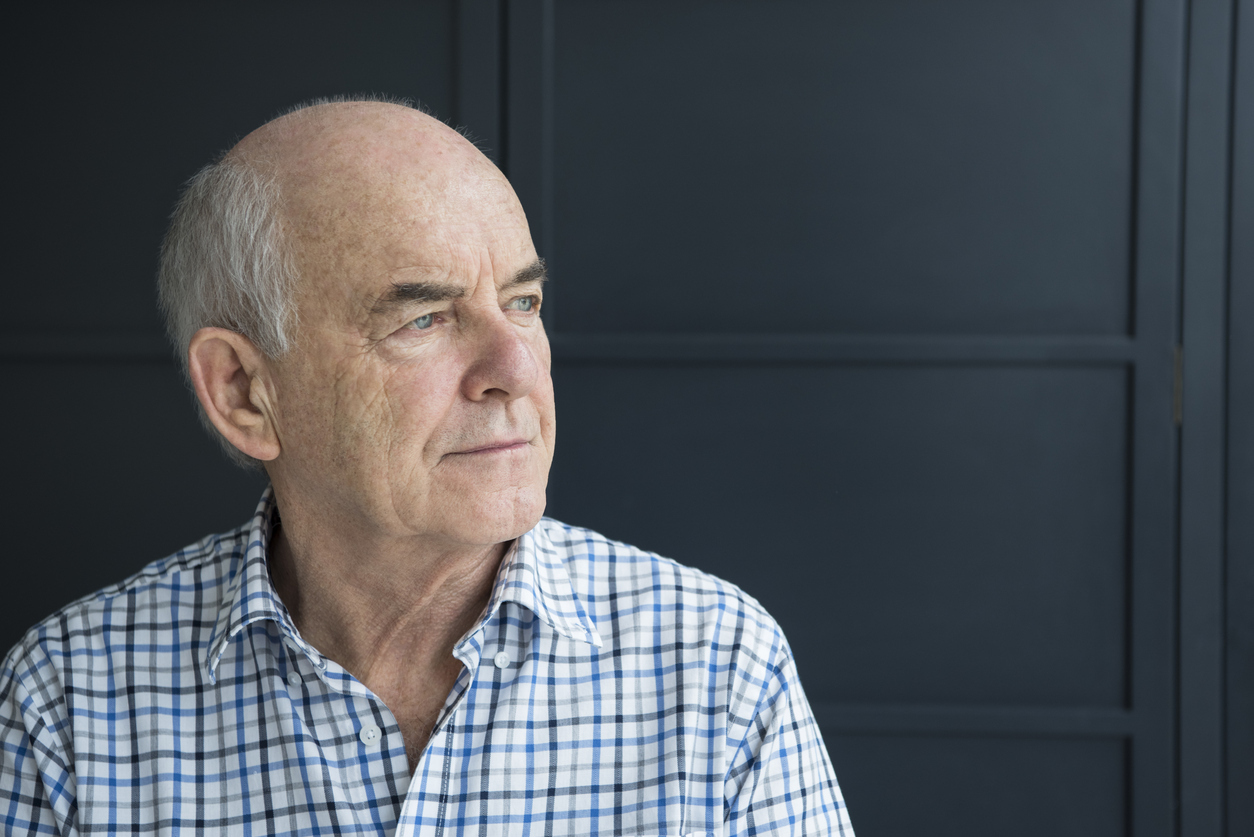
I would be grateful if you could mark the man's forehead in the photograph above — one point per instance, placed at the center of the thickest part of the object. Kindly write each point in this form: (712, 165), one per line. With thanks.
(400, 208)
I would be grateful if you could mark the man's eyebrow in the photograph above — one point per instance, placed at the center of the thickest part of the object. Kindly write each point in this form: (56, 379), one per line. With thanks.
(401, 294)
(534, 272)
(408, 293)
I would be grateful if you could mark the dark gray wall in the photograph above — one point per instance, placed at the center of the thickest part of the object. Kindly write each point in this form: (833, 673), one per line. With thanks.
(930, 325)
(1237, 609)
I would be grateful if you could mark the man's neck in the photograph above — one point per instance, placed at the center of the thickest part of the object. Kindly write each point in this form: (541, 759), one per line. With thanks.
(389, 611)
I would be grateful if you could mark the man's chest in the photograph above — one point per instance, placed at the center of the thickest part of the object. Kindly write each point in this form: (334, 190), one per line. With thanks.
(519, 751)
(568, 767)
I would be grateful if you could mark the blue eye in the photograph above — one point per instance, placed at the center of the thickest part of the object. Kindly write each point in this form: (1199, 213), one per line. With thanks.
(423, 322)
(524, 303)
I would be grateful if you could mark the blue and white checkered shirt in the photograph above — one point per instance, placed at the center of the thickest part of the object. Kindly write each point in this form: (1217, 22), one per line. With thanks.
(606, 691)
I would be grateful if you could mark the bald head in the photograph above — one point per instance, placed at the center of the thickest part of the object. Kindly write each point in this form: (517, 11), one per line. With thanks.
(345, 168)
(339, 139)
(368, 186)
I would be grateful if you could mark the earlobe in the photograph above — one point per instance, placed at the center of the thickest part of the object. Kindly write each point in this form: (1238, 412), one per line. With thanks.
(228, 373)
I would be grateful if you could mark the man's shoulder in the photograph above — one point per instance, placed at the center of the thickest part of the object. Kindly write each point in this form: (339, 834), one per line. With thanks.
(164, 596)
(618, 583)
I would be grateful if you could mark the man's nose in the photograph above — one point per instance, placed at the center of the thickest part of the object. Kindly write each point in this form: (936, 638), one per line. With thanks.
(505, 363)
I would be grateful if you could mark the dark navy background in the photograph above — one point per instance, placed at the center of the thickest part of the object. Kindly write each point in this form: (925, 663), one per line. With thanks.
(929, 324)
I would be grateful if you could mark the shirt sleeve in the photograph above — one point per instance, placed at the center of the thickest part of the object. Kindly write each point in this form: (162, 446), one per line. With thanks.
(783, 783)
(36, 784)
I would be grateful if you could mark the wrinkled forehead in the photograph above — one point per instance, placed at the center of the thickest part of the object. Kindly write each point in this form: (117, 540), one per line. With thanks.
(382, 203)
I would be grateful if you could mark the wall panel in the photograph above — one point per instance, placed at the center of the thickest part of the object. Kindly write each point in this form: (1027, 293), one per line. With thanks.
(923, 533)
(982, 787)
(862, 166)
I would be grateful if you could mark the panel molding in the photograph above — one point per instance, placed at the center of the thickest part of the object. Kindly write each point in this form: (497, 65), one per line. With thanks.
(1239, 577)
(1203, 432)
(852, 348)
(1160, 123)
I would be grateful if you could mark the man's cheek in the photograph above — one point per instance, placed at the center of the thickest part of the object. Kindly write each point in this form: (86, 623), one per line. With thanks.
(359, 392)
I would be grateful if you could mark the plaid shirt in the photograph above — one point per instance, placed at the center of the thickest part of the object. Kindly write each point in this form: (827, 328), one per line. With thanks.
(605, 691)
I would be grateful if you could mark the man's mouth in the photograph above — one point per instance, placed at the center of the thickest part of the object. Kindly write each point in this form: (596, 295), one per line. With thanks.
(503, 446)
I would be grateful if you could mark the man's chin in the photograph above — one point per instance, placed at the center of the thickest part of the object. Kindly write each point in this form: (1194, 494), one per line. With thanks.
(487, 523)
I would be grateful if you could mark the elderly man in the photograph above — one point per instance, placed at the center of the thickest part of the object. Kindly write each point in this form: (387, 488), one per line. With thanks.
(397, 642)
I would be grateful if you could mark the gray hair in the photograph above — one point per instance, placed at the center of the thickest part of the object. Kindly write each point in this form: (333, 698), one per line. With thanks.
(225, 261)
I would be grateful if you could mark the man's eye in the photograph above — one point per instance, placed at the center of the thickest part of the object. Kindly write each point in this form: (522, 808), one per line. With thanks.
(423, 322)
(524, 303)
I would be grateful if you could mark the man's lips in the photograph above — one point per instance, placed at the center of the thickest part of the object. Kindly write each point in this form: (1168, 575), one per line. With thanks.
(495, 447)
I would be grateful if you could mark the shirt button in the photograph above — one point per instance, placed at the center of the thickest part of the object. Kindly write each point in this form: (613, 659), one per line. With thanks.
(370, 735)
(294, 679)
(501, 659)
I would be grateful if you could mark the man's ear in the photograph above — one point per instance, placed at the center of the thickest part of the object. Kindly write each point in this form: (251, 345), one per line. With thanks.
(229, 375)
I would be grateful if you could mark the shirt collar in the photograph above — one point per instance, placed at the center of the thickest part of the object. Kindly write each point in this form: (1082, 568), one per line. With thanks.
(533, 574)
(250, 597)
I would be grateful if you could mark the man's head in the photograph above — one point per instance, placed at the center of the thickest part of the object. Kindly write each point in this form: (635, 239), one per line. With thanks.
(375, 338)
